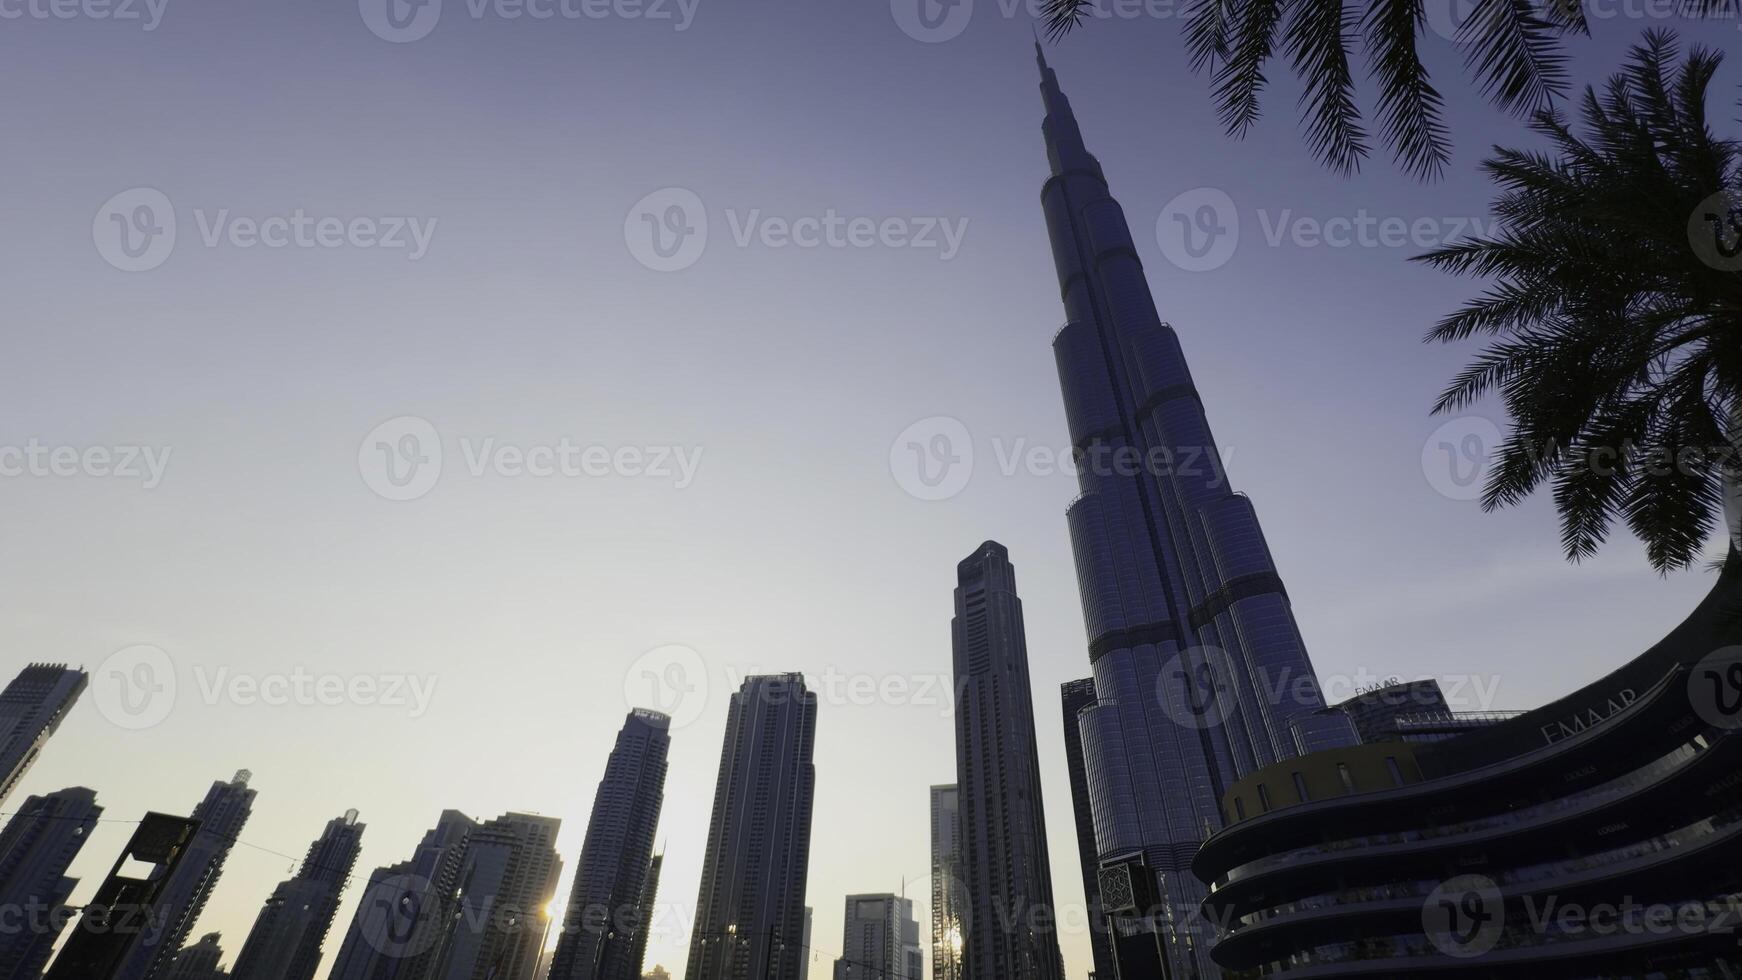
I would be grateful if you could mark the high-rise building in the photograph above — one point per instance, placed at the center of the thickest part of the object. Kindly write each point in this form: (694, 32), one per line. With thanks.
(409, 911)
(1005, 870)
(200, 961)
(750, 911)
(286, 941)
(657, 973)
(605, 913)
(947, 895)
(649, 910)
(507, 884)
(37, 846)
(31, 709)
(879, 940)
(99, 946)
(183, 893)
(1075, 696)
(1201, 672)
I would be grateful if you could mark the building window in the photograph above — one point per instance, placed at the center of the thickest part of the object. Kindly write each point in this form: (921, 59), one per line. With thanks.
(1264, 798)
(1300, 788)
(1239, 809)
(1396, 773)
(1347, 776)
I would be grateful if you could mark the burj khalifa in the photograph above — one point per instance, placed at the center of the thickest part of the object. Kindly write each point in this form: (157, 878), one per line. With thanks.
(1201, 674)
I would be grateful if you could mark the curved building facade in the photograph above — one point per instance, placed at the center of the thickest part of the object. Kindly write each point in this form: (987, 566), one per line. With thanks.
(1597, 836)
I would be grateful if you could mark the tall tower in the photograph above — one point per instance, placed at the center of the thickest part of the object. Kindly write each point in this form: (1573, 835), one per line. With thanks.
(946, 884)
(285, 943)
(1201, 673)
(509, 879)
(605, 912)
(1075, 696)
(183, 892)
(36, 848)
(1005, 870)
(750, 911)
(879, 939)
(649, 913)
(137, 881)
(408, 912)
(31, 709)
(200, 961)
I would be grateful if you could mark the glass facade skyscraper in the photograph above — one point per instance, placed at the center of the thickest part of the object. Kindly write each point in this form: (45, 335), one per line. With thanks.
(1005, 870)
(31, 708)
(605, 912)
(1200, 673)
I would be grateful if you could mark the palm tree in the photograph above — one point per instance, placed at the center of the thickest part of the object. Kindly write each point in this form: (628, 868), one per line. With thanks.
(1617, 307)
(1512, 48)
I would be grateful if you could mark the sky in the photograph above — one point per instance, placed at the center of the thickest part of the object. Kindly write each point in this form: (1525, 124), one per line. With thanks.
(414, 407)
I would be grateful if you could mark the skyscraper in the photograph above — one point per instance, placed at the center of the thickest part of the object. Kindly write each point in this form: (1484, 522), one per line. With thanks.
(879, 940)
(409, 911)
(750, 910)
(1005, 870)
(31, 709)
(199, 961)
(605, 913)
(99, 948)
(509, 880)
(1201, 673)
(285, 943)
(946, 885)
(1077, 695)
(37, 846)
(649, 910)
(184, 891)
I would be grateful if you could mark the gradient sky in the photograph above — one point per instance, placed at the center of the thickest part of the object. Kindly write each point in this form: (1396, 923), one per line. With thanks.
(533, 603)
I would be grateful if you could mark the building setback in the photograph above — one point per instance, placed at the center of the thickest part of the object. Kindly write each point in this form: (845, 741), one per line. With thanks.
(36, 848)
(285, 943)
(31, 709)
(409, 911)
(750, 910)
(1005, 870)
(606, 911)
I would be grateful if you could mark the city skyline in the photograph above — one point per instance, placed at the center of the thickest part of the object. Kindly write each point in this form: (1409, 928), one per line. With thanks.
(534, 603)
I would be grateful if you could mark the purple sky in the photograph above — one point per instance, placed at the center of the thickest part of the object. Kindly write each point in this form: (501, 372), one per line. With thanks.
(523, 150)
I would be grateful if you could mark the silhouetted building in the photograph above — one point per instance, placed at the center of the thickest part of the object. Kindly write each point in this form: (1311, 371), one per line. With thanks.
(31, 709)
(1597, 836)
(605, 912)
(36, 848)
(200, 961)
(1200, 669)
(118, 917)
(750, 909)
(1075, 696)
(286, 941)
(1005, 870)
(649, 910)
(947, 894)
(657, 973)
(409, 911)
(509, 880)
(879, 940)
